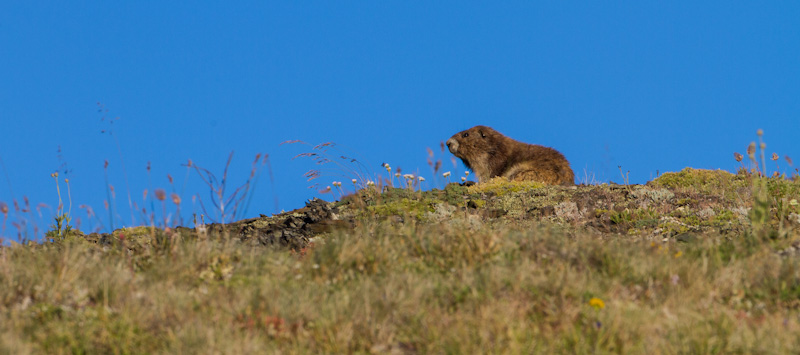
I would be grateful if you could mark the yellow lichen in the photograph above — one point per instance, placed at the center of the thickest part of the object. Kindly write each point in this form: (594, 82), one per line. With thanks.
(501, 186)
(706, 181)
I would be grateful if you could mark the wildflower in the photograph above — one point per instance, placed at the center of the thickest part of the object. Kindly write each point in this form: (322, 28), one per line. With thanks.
(161, 195)
(760, 132)
(354, 181)
(420, 178)
(176, 199)
(793, 202)
(466, 173)
(597, 303)
(397, 175)
(751, 150)
(775, 174)
(737, 156)
(408, 176)
(763, 145)
(678, 254)
(370, 183)
(463, 179)
(775, 156)
(446, 174)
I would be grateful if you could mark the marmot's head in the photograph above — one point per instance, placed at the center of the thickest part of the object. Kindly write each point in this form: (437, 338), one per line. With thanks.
(473, 144)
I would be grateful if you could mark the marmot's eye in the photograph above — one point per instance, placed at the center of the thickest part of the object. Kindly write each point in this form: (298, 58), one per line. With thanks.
(465, 135)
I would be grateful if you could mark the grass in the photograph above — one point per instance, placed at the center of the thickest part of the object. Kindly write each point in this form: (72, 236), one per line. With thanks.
(413, 287)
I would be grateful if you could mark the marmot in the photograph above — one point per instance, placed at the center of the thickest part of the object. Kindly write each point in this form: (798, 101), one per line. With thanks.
(489, 154)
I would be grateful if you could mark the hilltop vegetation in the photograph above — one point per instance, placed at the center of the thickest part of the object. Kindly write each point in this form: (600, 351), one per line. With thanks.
(695, 261)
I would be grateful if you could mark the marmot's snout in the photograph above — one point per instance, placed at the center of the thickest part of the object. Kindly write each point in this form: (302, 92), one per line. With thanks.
(452, 145)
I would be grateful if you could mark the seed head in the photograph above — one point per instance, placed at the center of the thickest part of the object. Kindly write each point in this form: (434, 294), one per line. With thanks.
(788, 160)
(775, 156)
(751, 150)
(760, 132)
(176, 199)
(4, 208)
(763, 145)
(737, 156)
(161, 195)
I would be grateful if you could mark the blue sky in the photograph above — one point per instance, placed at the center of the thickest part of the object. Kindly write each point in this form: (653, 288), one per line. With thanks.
(649, 86)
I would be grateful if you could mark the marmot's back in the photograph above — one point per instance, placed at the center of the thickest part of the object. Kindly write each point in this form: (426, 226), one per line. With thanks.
(489, 154)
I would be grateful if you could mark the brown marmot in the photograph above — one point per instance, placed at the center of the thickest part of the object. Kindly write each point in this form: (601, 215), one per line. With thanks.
(489, 154)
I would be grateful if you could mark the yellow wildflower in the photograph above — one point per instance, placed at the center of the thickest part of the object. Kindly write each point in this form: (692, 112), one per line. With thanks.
(597, 303)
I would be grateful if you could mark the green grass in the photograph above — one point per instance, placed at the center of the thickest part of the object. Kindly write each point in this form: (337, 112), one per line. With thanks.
(383, 286)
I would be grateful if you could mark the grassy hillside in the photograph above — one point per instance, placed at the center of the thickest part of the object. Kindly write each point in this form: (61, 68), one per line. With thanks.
(695, 261)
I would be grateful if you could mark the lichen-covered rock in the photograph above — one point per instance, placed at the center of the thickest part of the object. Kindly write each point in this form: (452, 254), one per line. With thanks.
(691, 201)
(290, 229)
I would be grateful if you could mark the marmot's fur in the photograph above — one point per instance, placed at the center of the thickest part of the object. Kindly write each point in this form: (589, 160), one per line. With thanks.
(489, 153)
